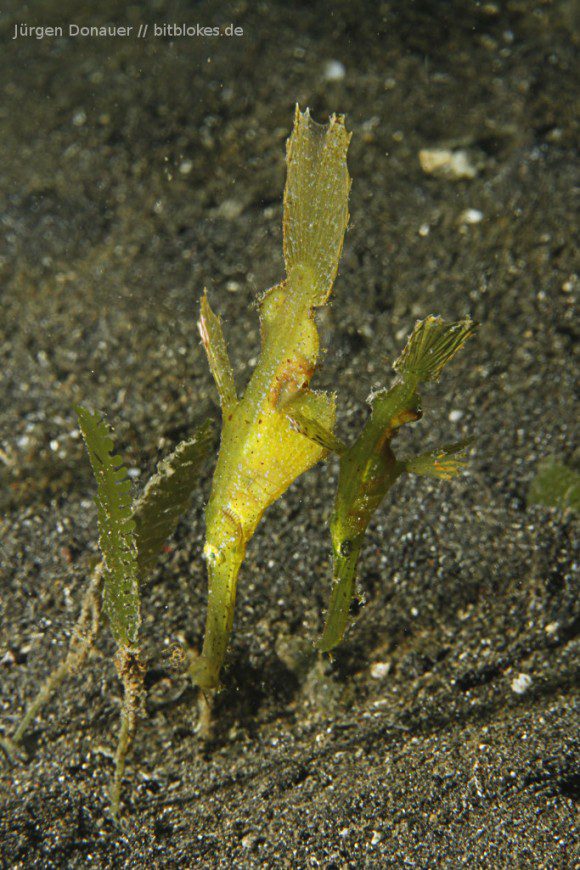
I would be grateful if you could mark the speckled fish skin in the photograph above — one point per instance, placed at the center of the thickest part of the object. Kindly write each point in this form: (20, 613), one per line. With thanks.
(368, 469)
(260, 453)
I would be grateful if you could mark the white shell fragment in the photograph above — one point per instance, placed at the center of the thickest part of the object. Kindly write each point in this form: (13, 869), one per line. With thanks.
(445, 163)
(471, 216)
(521, 683)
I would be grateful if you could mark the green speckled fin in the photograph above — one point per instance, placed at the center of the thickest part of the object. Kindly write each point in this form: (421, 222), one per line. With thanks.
(315, 202)
(167, 495)
(116, 528)
(432, 344)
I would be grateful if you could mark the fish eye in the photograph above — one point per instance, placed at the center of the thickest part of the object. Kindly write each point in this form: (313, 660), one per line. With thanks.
(346, 548)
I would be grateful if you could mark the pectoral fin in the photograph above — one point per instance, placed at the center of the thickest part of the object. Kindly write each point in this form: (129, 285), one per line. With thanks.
(312, 415)
(445, 463)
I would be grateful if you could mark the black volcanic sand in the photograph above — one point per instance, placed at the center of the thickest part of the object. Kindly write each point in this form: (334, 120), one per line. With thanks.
(133, 173)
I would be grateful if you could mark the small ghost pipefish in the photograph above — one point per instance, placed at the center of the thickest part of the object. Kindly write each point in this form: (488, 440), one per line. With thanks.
(369, 467)
(261, 453)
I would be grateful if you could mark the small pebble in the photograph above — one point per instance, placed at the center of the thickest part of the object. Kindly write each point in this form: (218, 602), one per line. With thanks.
(380, 670)
(455, 416)
(230, 209)
(334, 71)
(521, 684)
(471, 216)
(568, 285)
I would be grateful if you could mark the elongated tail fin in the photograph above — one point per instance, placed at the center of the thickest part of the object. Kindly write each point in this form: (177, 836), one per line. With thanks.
(432, 344)
(315, 202)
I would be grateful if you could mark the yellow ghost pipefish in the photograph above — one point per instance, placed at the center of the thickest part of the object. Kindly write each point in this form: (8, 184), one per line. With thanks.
(260, 453)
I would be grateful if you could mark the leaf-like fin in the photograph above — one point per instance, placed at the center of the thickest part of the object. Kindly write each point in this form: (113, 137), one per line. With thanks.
(432, 344)
(167, 495)
(304, 413)
(116, 528)
(212, 336)
(445, 463)
(315, 202)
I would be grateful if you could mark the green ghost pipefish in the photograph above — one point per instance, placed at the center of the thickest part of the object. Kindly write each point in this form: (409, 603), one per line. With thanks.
(369, 467)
